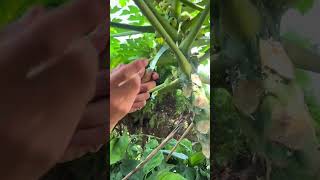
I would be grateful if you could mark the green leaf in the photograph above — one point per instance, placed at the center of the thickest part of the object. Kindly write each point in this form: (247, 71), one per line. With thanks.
(197, 159)
(118, 148)
(153, 163)
(167, 175)
(304, 5)
(152, 143)
(123, 3)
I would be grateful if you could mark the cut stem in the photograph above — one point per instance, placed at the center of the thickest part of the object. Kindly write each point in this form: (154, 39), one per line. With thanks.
(181, 138)
(184, 64)
(164, 86)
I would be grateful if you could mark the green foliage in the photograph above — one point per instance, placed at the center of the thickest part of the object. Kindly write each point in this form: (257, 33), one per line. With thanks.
(187, 163)
(118, 148)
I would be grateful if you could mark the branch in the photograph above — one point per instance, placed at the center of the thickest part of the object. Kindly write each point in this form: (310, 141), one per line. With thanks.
(165, 86)
(129, 33)
(192, 5)
(183, 135)
(184, 64)
(187, 42)
(154, 152)
(144, 29)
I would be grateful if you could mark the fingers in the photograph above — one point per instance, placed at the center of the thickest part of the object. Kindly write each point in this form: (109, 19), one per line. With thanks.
(142, 97)
(52, 33)
(149, 75)
(146, 76)
(99, 38)
(95, 115)
(102, 87)
(73, 77)
(146, 87)
(155, 76)
(137, 106)
(127, 72)
(90, 137)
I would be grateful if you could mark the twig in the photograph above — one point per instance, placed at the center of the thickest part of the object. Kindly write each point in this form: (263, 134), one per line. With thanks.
(154, 152)
(181, 138)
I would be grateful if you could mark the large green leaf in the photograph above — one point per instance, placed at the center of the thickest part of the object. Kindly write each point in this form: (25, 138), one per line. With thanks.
(118, 148)
(197, 159)
(167, 175)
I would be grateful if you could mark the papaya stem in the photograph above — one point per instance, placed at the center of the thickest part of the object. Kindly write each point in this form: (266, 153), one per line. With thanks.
(187, 42)
(144, 29)
(177, 8)
(164, 22)
(129, 33)
(165, 85)
(184, 64)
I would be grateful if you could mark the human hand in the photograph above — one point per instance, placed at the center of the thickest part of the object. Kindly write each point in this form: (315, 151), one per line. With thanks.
(39, 114)
(122, 97)
(91, 132)
(147, 83)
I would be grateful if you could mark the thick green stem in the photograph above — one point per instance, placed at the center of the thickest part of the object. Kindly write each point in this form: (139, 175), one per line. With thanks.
(145, 29)
(184, 64)
(166, 86)
(177, 8)
(187, 42)
(164, 22)
(192, 5)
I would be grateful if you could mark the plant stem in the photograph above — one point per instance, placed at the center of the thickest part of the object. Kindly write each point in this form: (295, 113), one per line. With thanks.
(164, 86)
(184, 64)
(181, 138)
(177, 8)
(154, 152)
(144, 29)
(192, 5)
(187, 42)
(164, 22)
(129, 33)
